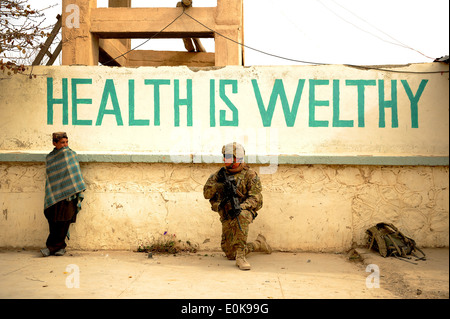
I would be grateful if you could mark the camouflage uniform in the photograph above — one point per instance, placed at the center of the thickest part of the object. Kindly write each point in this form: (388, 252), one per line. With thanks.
(249, 186)
(234, 233)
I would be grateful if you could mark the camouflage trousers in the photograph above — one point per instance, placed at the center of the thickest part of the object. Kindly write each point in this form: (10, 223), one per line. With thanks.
(234, 238)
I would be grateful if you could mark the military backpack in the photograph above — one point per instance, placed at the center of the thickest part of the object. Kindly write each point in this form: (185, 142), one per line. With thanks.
(389, 241)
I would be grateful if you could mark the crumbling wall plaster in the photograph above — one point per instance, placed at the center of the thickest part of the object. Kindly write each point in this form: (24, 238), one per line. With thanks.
(306, 207)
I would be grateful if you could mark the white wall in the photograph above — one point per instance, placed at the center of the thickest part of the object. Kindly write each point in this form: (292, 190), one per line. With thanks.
(324, 188)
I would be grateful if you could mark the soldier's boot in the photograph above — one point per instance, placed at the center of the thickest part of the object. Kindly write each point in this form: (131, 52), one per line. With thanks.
(241, 262)
(261, 245)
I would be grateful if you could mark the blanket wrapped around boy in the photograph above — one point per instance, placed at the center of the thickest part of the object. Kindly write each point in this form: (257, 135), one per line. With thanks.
(64, 180)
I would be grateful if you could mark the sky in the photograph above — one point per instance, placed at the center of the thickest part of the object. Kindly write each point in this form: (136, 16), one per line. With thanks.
(358, 32)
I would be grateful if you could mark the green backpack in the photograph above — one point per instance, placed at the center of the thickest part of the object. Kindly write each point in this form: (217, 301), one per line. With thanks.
(389, 241)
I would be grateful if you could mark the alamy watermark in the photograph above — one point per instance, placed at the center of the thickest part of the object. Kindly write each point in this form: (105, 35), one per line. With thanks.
(73, 278)
(261, 146)
(73, 19)
(373, 280)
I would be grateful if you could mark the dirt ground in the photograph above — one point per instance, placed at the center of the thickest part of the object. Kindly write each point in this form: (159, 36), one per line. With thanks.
(209, 275)
(412, 279)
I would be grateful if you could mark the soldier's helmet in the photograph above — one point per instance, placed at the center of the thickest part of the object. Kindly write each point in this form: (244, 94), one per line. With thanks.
(235, 149)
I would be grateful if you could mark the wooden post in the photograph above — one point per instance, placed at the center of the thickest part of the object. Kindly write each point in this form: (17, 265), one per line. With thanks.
(83, 24)
(229, 23)
(191, 44)
(80, 47)
(112, 50)
(121, 4)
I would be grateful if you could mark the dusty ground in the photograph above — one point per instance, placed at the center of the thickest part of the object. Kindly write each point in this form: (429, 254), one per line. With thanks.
(427, 279)
(208, 275)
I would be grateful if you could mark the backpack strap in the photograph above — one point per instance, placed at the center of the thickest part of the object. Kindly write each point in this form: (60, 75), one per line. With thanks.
(423, 254)
(410, 241)
(378, 238)
(404, 259)
(399, 251)
(407, 239)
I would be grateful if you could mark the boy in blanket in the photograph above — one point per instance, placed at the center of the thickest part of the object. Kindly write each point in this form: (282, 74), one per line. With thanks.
(64, 187)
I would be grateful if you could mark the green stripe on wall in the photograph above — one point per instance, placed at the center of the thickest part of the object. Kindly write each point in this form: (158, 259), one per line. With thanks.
(212, 159)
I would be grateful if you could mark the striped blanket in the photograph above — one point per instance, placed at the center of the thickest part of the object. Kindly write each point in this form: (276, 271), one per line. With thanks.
(63, 178)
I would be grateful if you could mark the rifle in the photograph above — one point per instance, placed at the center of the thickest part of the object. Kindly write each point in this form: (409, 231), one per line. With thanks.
(230, 195)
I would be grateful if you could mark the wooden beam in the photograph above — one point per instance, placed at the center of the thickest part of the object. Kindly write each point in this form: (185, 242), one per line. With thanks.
(228, 52)
(191, 45)
(229, 12)
(229, 23)
(112, 49)
(121, 4)
(143, 23)
(80, 46)
(48, 42)
(170, 58)
(55, 54)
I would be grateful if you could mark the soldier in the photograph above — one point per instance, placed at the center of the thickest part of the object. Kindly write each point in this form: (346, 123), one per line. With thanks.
(235, 230)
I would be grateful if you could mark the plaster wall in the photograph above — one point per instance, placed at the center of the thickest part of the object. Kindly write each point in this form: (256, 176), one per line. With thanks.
(338, 149)
(294, 111)
(306, 207)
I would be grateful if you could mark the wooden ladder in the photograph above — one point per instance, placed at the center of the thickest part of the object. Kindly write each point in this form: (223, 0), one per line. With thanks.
(45, 47)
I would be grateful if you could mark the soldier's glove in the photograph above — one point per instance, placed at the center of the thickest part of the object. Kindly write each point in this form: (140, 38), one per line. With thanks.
(221, 175)
(227, 207)
(215, 206)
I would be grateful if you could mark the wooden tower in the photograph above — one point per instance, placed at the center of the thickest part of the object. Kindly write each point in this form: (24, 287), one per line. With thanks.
(92, 35)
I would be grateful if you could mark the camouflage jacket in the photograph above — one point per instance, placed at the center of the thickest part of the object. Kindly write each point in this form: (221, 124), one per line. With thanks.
(248, 186)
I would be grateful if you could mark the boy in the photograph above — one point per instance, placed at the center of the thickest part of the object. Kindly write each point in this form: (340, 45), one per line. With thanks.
(64, 185)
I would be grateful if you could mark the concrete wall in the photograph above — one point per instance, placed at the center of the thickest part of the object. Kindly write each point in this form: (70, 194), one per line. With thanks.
(323, 185)
(306, 207)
